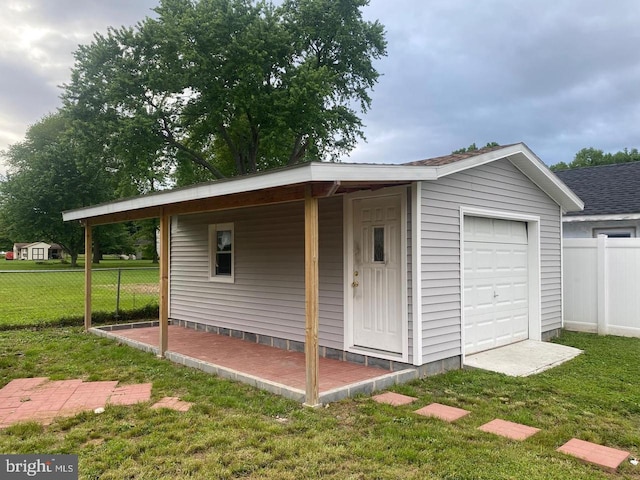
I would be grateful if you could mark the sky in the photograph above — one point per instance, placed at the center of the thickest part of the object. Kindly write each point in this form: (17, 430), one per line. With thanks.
(558, 75)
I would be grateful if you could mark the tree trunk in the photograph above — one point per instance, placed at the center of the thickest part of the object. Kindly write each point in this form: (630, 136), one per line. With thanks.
(96, 250)
(74, 259)
(155, 258)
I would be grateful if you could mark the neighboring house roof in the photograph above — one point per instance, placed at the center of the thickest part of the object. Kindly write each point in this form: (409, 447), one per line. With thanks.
(21, 245)
(609, 192)
(26, 245)
(326, 179)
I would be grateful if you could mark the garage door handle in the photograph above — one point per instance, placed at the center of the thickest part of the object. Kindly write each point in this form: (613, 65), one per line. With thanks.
(495, 295)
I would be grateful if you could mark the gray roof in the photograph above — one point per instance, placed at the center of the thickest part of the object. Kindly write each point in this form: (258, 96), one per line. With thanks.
(605, 189)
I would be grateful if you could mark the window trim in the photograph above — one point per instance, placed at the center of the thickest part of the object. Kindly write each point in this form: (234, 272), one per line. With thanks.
(213, 250)
(618, 232)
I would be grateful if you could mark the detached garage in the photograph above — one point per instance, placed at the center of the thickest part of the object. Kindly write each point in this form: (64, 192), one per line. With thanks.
(409, 266)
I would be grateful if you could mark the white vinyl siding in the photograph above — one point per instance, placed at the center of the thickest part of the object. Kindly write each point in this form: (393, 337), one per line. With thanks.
(267, 296)
(496, 186)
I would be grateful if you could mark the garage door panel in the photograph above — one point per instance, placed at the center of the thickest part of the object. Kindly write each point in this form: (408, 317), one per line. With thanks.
(494, 230)
(496, 283)
(510, 293)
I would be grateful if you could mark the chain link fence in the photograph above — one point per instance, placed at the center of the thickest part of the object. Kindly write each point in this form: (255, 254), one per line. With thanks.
(41, 297)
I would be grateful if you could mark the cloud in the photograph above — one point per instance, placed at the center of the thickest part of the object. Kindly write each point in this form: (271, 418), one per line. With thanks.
(37, 41)
(542, 72)
(559, 75)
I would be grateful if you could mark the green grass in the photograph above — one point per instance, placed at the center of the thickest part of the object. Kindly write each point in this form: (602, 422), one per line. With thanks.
(33, 298)
(237, 431)
(108, 262)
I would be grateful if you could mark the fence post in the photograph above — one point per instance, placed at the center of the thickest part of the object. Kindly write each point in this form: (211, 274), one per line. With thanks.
(118, 294)
(603, 293)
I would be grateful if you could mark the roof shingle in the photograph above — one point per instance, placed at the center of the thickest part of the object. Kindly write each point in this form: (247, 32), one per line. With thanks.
(454, 157)
(605, 189)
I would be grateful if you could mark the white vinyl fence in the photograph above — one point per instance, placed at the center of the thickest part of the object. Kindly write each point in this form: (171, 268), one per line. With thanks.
(602, 285)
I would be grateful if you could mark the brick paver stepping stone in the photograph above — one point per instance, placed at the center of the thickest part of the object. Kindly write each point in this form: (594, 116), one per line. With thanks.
(130, 394)
(443, 412)
(42, 400)
(606, 457)
(514, 431)
(174, 403)
(395, 399)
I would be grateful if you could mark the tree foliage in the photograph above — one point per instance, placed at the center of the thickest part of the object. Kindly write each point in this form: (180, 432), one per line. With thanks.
(591, 157)
(214, 88)
(474, 148)
(49, 172)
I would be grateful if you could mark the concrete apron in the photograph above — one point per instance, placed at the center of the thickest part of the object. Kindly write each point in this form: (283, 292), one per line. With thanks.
(522, 359)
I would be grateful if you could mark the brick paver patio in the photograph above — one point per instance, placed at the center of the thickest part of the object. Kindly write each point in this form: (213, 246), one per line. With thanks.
(41, 400)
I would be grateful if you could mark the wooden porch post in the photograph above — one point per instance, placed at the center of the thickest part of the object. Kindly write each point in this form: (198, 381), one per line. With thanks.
(311, 296)
(87, 275)
(164, 283)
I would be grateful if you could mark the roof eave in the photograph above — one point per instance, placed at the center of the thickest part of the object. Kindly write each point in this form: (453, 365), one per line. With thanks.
(601, 218)
(306, 173)
(530, 165)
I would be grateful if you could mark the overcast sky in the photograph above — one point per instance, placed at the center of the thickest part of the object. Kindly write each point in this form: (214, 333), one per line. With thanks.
(557, 75)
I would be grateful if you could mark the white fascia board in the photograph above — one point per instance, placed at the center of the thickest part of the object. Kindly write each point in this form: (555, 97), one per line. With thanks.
(310, 172)
(534, 168)
(529, 164)
(478, 160)
(601, 218)
(195, 192)
(342, 172)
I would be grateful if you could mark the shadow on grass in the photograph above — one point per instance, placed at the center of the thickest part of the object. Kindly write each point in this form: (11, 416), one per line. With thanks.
(97, 318)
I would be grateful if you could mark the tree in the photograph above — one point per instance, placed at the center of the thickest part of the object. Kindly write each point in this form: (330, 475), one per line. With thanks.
(50, 172)
(473, 148)
(591, 157)
(214, 88)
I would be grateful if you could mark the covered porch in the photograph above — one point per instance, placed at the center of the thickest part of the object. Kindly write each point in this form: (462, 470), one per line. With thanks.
(304, 184)
(279, 371)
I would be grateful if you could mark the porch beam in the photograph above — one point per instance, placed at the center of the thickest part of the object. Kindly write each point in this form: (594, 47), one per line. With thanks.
(87, 275)
(164, 283)
(311, 278)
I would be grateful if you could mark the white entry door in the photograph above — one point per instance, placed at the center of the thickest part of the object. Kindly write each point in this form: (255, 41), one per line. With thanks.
(377, 273)
(496, 303)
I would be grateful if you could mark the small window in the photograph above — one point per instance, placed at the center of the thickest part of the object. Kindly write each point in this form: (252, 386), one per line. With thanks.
(378, 244)
(221, 249)
(615, 232)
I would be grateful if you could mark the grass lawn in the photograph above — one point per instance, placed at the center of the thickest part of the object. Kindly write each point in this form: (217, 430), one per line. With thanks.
(237, 431)
(108, 262)
(33, 296)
